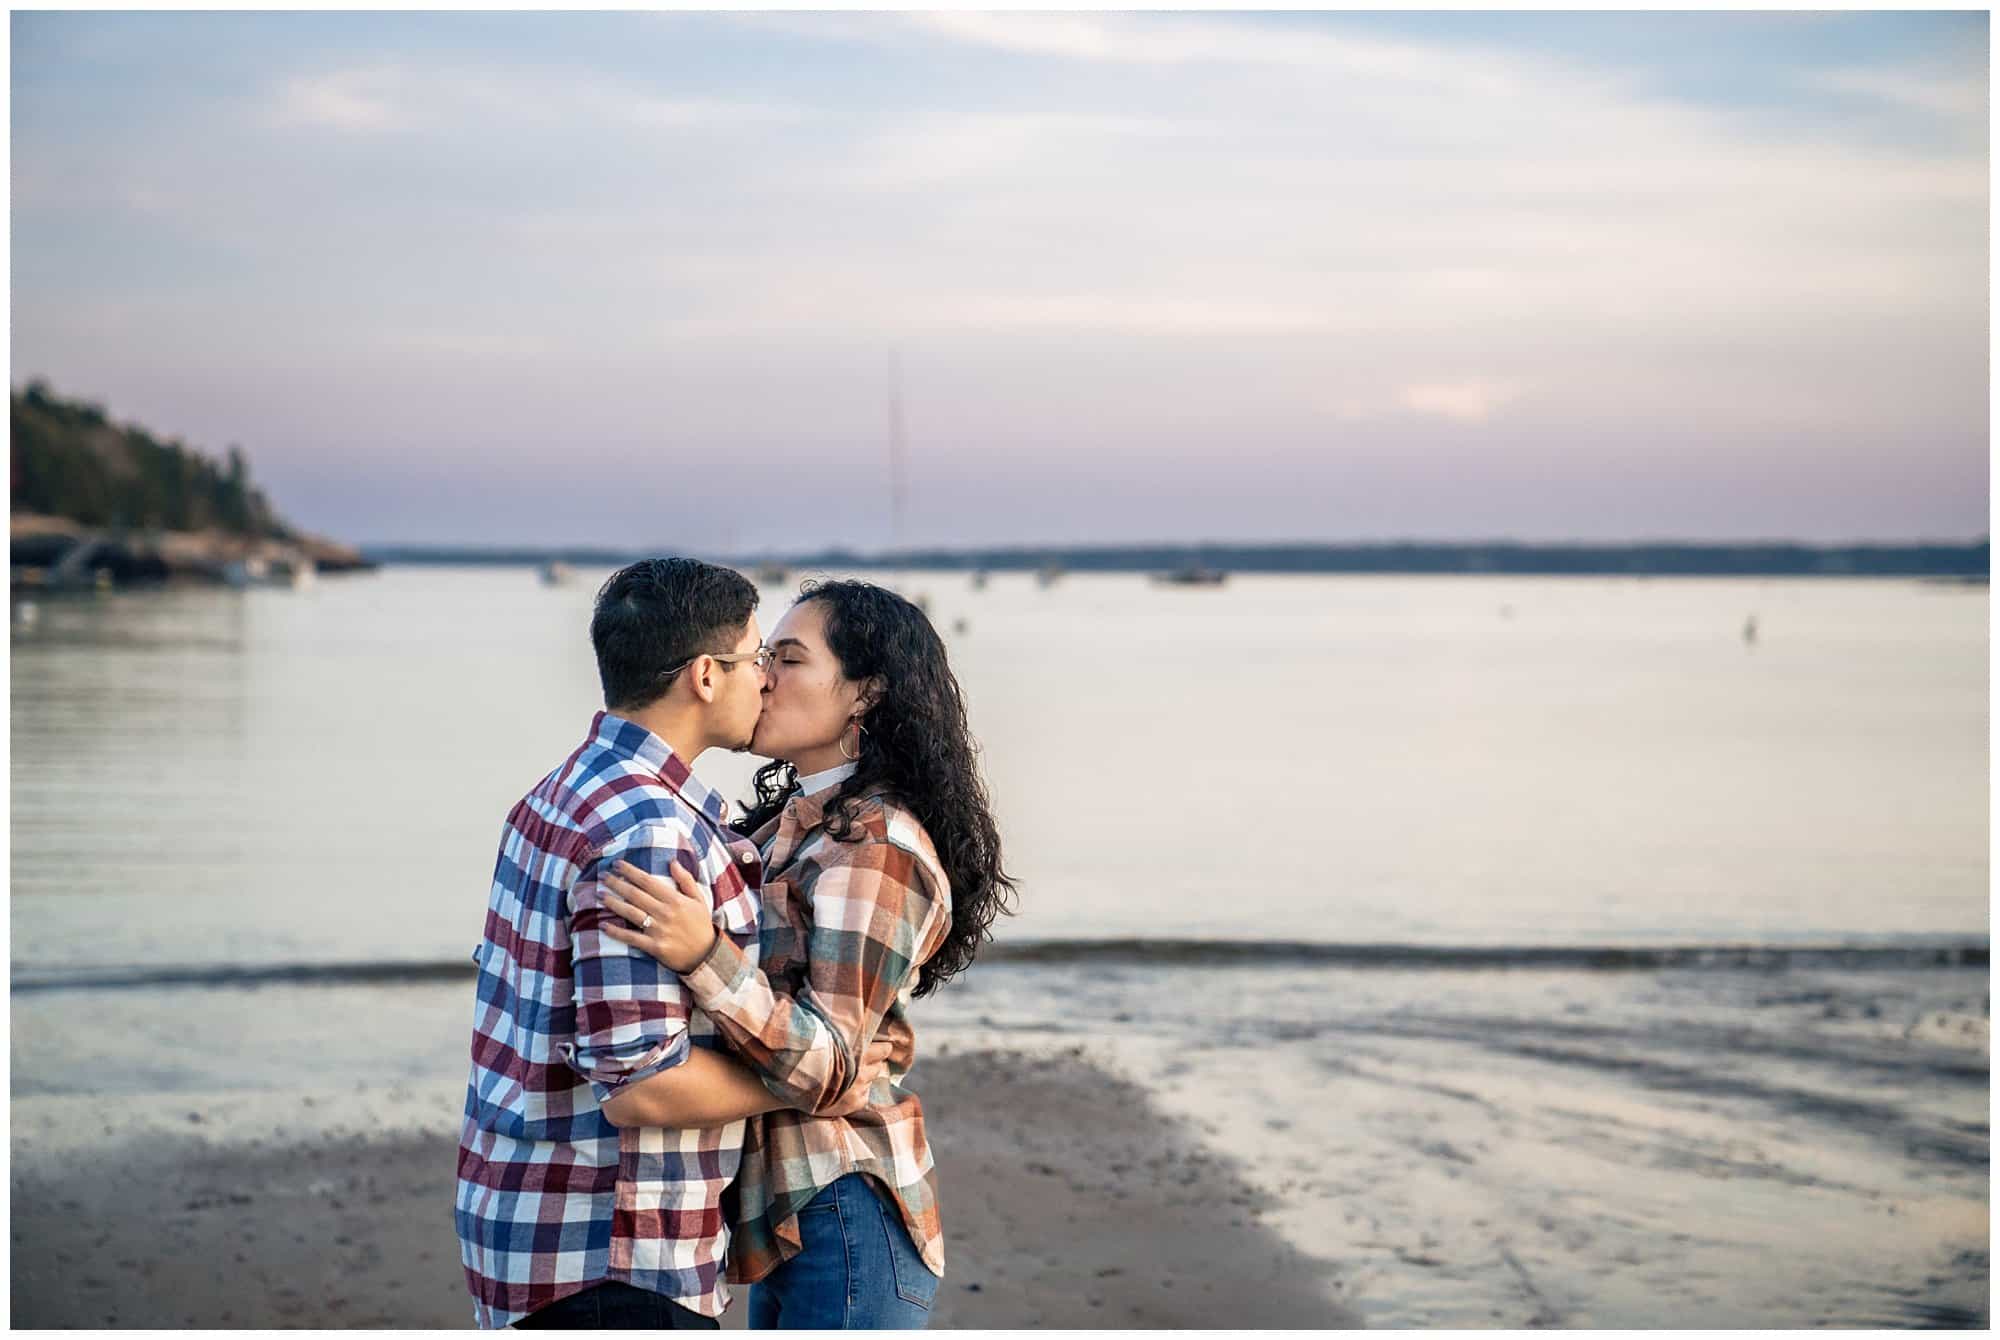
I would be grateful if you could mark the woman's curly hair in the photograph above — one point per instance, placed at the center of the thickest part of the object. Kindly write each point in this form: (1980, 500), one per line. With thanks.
(917, 746)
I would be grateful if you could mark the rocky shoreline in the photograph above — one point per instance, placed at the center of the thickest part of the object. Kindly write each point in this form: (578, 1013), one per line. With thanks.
(51, 553)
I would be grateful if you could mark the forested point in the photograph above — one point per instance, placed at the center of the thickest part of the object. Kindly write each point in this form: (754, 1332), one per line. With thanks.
(70, 460)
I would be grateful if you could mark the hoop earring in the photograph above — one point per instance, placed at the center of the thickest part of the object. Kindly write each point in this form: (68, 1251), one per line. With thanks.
(859, 731)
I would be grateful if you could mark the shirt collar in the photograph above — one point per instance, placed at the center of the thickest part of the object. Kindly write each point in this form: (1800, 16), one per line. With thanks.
(820, 781)
(610, 731)
(805, 812)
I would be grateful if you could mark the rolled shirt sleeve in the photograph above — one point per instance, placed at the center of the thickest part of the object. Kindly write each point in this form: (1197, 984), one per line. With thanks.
(870, 910)
(631, 1009)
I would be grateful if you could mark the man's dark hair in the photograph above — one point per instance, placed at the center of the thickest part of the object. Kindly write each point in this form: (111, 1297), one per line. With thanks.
(658, 614)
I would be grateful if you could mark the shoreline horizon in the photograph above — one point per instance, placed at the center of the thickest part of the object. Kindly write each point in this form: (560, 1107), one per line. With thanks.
(1962, 559)
(1855, 952)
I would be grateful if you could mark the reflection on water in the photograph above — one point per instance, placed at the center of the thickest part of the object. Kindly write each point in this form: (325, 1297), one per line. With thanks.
(129, 745)
(269, 776)
(211, 785)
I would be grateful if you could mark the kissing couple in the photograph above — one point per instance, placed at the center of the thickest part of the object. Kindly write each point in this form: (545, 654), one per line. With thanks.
(691, 1034)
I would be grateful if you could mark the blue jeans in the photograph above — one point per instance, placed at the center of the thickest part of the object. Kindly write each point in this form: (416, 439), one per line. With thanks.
(857, 1269)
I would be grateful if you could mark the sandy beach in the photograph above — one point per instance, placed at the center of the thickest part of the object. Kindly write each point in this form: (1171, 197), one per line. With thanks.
(1262, 1148)
(1070, 1201)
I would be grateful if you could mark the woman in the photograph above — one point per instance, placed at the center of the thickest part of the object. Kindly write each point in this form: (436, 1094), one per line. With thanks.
(882, 876)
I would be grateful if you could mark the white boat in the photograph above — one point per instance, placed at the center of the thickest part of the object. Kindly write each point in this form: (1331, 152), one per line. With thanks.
(293, 572)
(252, 571)
(1194, 574)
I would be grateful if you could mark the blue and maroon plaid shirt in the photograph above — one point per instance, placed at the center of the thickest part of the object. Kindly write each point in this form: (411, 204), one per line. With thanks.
(552, 1198)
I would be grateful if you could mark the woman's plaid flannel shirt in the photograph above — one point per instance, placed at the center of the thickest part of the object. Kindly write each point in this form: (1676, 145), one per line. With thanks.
(845, 928)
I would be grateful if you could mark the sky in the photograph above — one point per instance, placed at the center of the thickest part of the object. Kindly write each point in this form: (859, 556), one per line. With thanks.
(640, 280)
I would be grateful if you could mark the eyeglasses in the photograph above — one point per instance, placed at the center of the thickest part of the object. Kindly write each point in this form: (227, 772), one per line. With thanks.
(763, 656)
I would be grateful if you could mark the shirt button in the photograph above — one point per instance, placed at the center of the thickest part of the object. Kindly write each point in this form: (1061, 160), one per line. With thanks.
(747, 857)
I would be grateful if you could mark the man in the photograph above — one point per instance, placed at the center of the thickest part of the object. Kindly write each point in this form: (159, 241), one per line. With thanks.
(563, 1218)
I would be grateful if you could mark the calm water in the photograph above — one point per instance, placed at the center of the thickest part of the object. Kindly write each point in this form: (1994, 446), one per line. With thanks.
(207, 777)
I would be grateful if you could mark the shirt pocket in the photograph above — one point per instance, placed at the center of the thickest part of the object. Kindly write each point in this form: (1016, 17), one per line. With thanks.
(914, 1281)
(781, 935)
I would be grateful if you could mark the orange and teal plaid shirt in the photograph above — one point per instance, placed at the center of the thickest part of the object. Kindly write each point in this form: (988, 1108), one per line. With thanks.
(844, 931)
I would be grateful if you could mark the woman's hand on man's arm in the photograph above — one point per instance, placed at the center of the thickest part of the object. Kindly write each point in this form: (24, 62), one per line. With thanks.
(673, 920)
(870, 909)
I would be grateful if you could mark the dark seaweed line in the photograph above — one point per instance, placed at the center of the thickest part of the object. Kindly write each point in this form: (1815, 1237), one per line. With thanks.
(294, 974)
(1258, 953)
(1139, 952)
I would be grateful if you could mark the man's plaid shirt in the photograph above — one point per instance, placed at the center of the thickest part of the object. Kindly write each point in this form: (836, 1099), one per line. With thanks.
(846, 927)
(552, 1198)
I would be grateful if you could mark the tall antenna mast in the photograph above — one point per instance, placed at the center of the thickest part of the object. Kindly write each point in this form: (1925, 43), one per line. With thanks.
(896, 482)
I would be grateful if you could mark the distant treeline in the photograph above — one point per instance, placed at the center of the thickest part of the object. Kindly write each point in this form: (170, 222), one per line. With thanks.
(70, 461)
(1650, 560)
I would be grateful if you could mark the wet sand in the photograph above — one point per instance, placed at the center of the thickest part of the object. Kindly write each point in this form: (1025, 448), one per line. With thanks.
(1726, 1149)
(1070, 1200)
(1732, 1149)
